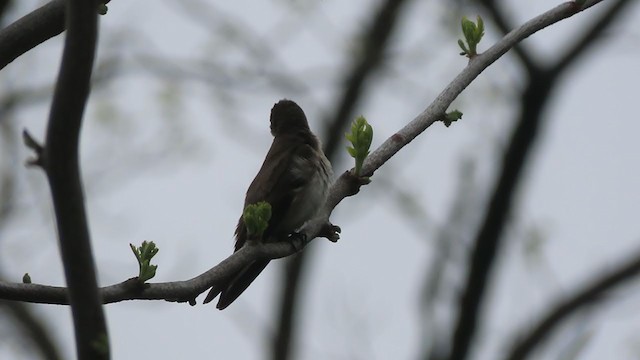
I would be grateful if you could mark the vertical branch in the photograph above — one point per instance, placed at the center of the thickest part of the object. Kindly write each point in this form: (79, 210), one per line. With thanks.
(375, 41)
(489, 238)
(61, 163)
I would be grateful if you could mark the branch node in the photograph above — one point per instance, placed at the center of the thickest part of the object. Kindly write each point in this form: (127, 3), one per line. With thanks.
(355, 182)
(38, 149)
(186, 299)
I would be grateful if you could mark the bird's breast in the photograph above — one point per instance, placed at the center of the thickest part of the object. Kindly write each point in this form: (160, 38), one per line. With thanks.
(310, 198)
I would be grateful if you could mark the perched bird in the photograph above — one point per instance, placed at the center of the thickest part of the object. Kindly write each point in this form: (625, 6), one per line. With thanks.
(294, 179)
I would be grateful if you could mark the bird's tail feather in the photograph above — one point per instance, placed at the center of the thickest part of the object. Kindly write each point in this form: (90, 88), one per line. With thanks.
(238, 284)
(213, 292)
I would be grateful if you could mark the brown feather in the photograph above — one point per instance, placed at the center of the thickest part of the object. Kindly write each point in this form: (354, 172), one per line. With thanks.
(293, 179)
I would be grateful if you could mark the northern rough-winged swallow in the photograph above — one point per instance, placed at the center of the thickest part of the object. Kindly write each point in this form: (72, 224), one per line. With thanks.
(294, 178)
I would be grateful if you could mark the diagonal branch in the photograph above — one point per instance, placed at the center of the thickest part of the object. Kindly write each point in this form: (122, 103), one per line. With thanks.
(501, 20)
(437, 109)
(31, 30)
(593, 34)
(588, 294)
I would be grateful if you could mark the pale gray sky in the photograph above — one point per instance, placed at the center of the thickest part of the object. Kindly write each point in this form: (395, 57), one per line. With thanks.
(581, 190)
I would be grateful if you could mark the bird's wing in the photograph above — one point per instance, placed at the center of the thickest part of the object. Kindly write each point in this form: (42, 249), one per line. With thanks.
(278, 181)
(281, 176)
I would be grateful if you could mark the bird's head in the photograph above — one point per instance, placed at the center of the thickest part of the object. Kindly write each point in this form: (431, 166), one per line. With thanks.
(287, 117)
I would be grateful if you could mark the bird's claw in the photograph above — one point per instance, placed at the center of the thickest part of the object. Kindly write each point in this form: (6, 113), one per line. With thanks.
(330, 231)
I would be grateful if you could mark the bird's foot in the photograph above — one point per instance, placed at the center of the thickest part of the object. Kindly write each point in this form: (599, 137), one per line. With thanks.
(330, 231)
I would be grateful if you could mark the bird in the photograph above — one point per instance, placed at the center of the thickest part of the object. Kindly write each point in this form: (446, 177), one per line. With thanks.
(294, 179)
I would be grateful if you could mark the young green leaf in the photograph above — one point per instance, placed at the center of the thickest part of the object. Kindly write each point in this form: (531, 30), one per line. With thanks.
(256, 218)
(144, 254)
(361, 136)
(473, 33)
(451, 116)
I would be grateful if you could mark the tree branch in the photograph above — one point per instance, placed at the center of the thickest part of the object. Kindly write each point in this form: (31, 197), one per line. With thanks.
(31, 30)
(60, 161)
(375, 39)
(593, 34)
(343, 187)
(501, 20)
(33, 330)
(179, 291)
(437, 109)
(4, 6)
(375, 42)
(33, 327)
(488, 239)
(588, 294)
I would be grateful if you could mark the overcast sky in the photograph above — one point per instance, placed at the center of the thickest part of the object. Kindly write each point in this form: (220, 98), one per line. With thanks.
(170, 161)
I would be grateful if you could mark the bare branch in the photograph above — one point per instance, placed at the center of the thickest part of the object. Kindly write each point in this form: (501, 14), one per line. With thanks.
(61, 164)
(375, 43)
(179, 291)
(592, 35)
(33, 330)
(4, 5)
(501, 20)
(375, 40)
(31, 30)
(437, 109)
(33, 327)
(588, 294)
